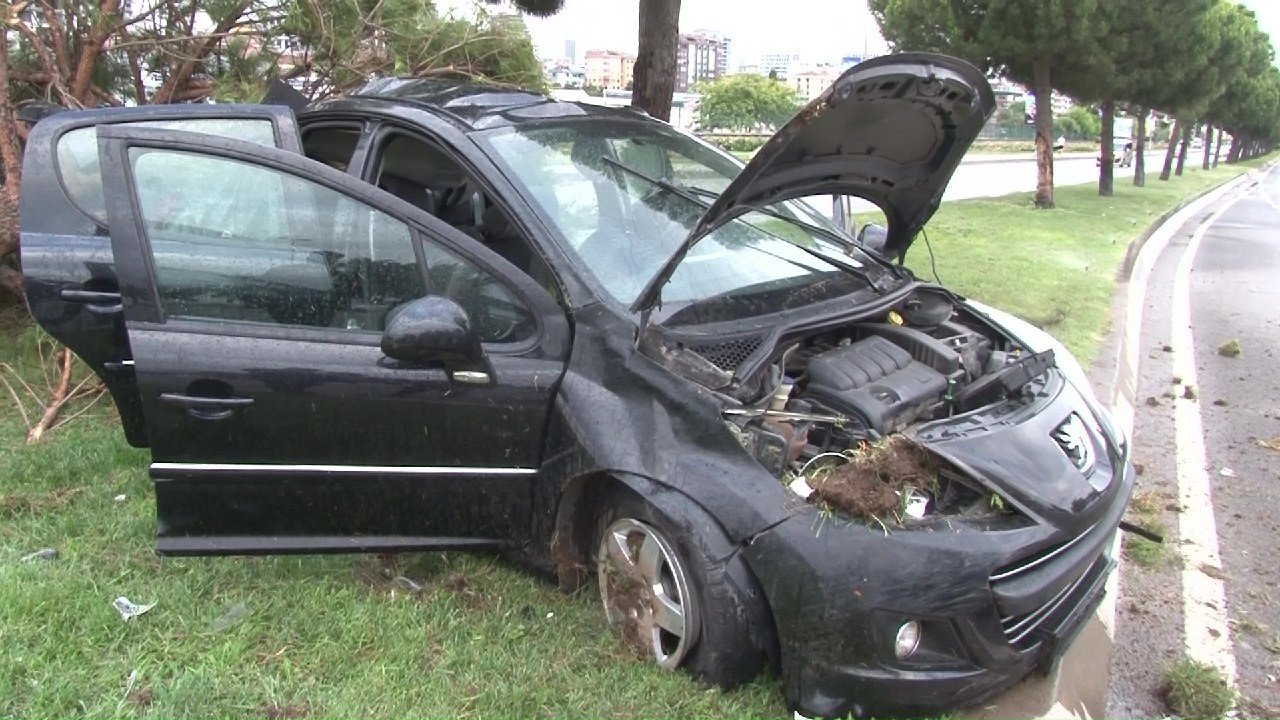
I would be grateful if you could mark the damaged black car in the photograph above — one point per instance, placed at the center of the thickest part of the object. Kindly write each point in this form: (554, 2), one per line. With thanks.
(433, 315)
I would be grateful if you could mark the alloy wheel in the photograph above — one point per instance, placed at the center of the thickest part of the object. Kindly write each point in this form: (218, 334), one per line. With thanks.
(646, 592)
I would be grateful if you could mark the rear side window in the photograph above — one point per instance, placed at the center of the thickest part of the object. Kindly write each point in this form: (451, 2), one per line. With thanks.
(77, 154)
(232, 241)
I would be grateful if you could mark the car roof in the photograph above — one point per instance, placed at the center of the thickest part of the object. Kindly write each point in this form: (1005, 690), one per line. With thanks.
(475, 106)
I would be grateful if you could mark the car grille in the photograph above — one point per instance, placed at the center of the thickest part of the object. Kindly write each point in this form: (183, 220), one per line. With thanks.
(1019, 628)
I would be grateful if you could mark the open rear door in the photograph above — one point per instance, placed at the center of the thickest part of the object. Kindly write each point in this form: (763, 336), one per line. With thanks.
(67, 263)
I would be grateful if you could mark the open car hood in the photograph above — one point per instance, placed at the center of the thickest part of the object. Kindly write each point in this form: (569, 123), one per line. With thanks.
(891, 130)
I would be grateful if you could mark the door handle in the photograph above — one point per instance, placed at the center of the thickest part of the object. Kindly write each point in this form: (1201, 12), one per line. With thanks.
(206, 408)
(95, 301)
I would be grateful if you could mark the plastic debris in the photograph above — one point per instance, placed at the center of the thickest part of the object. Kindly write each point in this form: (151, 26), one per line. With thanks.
(408, 584)
(800, 487)
(1272, 444)
(45, 554)
(232, 616)
(120, 498)
(128, 609)
(915, 503)
(1227, 472)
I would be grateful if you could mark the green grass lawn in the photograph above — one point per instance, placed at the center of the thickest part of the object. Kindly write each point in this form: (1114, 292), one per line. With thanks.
(340, 636)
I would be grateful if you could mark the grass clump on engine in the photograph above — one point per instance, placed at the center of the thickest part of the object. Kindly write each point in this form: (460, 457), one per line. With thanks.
(878, 481)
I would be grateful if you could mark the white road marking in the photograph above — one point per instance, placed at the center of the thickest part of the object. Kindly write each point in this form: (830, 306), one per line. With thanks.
(1204, 600)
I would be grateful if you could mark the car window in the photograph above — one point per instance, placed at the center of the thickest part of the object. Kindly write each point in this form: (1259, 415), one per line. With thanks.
(233, 241)
(564, 189)
(77, 153)
(496, 314)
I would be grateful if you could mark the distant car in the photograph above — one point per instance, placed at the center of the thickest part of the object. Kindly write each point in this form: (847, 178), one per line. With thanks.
(1121, 154)
(435, 315)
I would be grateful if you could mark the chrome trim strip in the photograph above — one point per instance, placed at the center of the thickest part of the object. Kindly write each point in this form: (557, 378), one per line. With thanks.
(1042, 559)
(341, 469)
(1020, 631)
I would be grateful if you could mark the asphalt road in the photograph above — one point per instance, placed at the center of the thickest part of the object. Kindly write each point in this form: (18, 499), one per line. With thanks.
(980, 176)
(1217, 596)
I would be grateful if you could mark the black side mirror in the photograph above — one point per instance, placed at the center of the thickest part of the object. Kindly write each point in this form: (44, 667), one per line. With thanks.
(873, 237)
(436, 330)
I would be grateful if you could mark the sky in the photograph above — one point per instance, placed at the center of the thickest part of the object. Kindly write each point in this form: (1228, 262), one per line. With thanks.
(820, 30)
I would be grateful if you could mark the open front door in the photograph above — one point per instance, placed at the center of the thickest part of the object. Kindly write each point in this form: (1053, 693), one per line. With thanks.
(256, 285)
(67, 263)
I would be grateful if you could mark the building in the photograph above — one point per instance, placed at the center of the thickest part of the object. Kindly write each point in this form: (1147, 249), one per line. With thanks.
(700, 56)
(684, 106)
(566, 76)
(777, 63)
(609, 69)
(810, 83)
(571, 51)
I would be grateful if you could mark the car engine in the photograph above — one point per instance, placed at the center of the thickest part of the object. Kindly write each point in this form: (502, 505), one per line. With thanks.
(844, 391)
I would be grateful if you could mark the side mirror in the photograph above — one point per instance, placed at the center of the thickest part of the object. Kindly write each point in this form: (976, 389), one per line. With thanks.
(873, 237)
(436, 330)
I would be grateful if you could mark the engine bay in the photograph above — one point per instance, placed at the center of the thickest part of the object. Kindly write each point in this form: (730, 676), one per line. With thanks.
(844, 400)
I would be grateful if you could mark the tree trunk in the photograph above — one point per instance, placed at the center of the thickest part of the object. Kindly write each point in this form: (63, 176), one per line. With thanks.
(1106, 171)
(1217, 150)
(1140, 151)
(11, 165)
(1169, 152)
(104, 24)
(654, 80)
(1182, 150)
(1237, 144)
(1044, 135)
(1208, 146)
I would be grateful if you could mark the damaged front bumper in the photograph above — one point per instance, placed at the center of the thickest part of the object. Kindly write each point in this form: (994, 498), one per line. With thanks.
(992, 606)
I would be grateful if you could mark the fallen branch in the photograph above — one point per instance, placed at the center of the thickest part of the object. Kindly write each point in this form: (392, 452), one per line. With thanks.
(56, 401)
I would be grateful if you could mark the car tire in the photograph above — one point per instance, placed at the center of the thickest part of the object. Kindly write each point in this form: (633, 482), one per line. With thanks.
(726, 627)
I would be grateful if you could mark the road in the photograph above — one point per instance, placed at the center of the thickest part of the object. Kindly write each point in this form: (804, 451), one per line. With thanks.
(1216, 595)
(979, 176)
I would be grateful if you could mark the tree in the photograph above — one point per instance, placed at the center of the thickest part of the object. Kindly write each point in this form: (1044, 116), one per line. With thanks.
(655, 69)
(745, 102)
(1032, 41)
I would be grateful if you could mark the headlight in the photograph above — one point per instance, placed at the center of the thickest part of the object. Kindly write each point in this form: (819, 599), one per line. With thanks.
(1038, 340)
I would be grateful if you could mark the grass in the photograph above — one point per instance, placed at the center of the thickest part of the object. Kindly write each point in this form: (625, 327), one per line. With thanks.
(1145, 509)
(340, 636)
(1197, 691)
(1054, 268)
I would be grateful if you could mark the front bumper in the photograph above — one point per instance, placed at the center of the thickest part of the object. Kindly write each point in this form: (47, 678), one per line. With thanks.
(839, 591)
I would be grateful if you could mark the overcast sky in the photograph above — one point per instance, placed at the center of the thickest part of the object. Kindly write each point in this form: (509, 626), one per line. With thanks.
(821, 30)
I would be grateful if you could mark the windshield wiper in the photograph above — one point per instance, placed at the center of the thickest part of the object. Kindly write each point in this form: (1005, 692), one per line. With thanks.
(691, 195)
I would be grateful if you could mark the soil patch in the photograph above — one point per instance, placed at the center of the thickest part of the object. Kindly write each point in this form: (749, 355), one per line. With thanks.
(875, 481)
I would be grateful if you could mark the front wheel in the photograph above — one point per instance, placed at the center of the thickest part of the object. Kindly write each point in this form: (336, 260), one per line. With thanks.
(672, 600)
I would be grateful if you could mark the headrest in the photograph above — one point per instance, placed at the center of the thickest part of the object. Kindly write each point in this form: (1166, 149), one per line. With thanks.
(496, 224)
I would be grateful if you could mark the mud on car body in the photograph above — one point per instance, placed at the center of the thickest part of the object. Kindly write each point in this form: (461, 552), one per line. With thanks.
(434, 315)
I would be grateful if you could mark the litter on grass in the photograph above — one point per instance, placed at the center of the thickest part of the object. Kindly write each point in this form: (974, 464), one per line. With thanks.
(128, 609)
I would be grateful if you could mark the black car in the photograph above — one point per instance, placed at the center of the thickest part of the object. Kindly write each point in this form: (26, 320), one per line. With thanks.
(435, 315)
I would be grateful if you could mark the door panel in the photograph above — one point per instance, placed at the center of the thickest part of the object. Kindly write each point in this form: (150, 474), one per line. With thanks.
(255, 319)
(70, 276)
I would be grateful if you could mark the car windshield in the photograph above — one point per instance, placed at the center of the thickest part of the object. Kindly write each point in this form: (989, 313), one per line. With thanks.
(624, 195)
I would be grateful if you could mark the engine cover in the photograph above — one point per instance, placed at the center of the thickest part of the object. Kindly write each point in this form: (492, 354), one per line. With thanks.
(876, 381)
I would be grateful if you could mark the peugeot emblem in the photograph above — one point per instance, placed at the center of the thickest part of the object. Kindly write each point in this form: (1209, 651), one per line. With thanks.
(1074, 440)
